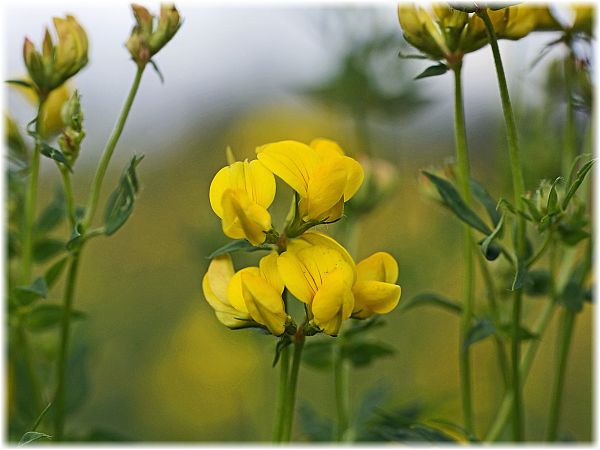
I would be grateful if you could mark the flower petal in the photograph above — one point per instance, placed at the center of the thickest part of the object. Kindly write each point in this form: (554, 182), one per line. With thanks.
(260, 183)
(380, 266)
(270, 272)
(295, 277)
(354, 177)
(244, 219)
(375, 296)
(325, 189)
(333, 303)
(264, 303)
(292, 161)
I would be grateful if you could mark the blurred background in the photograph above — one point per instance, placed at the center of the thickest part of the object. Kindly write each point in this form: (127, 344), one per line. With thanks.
(158, 366)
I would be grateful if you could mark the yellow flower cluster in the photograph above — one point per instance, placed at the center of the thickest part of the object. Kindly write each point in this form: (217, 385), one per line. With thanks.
(312, 266)
(445, 32)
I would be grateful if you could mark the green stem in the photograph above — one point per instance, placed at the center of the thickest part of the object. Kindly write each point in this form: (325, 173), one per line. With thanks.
(59, 400)
(491, 295)
(284, 363)
(518, 190)
(570, 138)
(566, 333)
(30, 203)
(25, 350)
(68, 186)
(108, 151)
(462, 160)
(539, 329)
(341, 370)
(291, 389)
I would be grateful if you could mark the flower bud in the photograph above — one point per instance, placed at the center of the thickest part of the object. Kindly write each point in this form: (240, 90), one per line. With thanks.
(145, 41)
(72, 134)
(57, 63)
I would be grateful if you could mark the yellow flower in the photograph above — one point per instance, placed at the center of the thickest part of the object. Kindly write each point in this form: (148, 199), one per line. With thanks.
(257, 291)
(240, 195)
(320, 173)
(214, 284)
(57, 63)
(320, 273)
(375, 290)
(51, 121)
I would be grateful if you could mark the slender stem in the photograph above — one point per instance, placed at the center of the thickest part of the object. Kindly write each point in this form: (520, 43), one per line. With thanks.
(566, 333)
(491, 295)
(539, 329)
(284, 363)
(518, 190)
(108, 151)
(291, 391)
(66, 178)
(462, 160)
(570, 137)
(59, 400)
(341, 371)
(30, 203)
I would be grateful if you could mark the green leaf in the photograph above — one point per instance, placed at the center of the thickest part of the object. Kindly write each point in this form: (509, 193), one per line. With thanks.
(28, 294)
(433, 71)
(453, 200)
(318, 354)
(524, 333)
(237, 246)
(22, 83)
(315, 427)
(282, 343)
(477, 332)
(45, 249)
(157, 70)
(362, 353)
(431, 298)
(531, 206)
(572, 235)
(431, 434)
(573, 296)
(485, 244)
(53, 215)
(412, 55)
(76, 238)
(552, 205)
(121, 202)
(32, 436)
(579, 178)
(46, 316)
(55, 154)
(53, 273)
(372, 401)
(488, 202)
(520, 275)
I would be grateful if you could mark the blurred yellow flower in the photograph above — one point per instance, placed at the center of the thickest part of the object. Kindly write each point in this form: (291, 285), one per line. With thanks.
(375, 290)
(57, 63)
(257, 291)
(215, 285)
(321, 276)
(51, 121)
(322, 175)
(240, 195)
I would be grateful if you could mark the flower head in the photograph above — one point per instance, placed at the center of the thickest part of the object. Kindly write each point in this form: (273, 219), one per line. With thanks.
(240, 195)
(57, 63)
(146, 40)
(321, 174)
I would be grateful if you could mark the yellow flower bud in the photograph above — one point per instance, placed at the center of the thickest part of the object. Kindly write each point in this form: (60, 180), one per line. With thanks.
(57, 63)
(145, 41)
(375, 290)
(214, 285)
(320, 173)
(240, 195)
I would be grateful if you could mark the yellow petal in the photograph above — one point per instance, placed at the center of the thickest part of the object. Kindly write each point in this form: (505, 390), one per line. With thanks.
(226, 314)
(293, 274)
(219, 273)
(333, 303)
(380, 266)
(292, 161)
(375, 296)
(235, 288)
(260, 183)
(270, 272)
(327, 148)
(318, 238)
(325, 189)
(264, 303)
(354, 177)
(219, 184)
(243, 218)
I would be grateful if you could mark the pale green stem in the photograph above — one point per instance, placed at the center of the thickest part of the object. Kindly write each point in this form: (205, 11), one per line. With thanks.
(59, 400)
(462, 160)
(342, 394)
(519, 190)
(566, 333)
(291, 390)
(284, 363)
(30, 203)
(108, 152)
(66, 178)
(570, 138)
